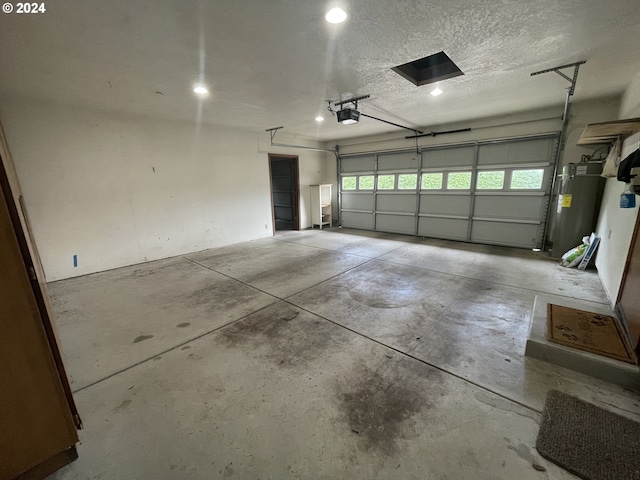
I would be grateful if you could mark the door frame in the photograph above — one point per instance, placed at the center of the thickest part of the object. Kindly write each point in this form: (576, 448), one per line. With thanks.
(296, 190)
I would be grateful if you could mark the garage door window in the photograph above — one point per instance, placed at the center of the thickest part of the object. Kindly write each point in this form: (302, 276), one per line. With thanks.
(386, 182)
(407, 182)
(459, 181)
(365, 182)
(431, 181)
(527, 179)
(348, 183)
(493, 180)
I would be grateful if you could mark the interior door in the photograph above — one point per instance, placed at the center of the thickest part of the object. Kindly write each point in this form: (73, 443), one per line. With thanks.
(35, 417)
(37, 412)
(628, 298)
(284, 191)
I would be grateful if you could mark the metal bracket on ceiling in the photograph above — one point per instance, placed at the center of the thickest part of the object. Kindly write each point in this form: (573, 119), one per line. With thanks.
(353, 100)
(571, 80)
(563, 134)
(272, 133)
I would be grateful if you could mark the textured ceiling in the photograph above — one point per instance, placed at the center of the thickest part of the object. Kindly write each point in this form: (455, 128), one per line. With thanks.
(275, 62)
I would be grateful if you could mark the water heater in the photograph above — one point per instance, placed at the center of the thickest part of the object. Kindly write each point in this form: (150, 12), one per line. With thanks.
(578, 205)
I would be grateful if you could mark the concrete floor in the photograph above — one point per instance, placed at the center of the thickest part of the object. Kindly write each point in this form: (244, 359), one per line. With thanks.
(318, 354)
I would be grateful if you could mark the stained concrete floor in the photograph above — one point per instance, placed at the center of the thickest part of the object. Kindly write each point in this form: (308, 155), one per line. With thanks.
(318, 354)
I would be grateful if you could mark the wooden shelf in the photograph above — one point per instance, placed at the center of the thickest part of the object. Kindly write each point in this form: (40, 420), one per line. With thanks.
(608, 132)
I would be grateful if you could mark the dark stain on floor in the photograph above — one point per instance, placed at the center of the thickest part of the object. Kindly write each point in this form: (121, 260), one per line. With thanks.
(295, 265)
(378, 406)
(183, 325)
(285, 335)
(219, 295)
(122, 406)
(391, 290)
(142, 338)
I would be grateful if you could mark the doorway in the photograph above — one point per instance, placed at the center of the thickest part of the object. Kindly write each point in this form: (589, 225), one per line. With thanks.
(284, 191)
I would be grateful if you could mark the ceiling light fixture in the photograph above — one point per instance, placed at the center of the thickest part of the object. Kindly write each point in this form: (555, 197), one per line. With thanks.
(201, 90)
(319, 119)
(436, 91)
(336, 15)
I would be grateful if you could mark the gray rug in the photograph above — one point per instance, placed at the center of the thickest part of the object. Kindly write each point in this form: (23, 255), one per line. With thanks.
(588, 441)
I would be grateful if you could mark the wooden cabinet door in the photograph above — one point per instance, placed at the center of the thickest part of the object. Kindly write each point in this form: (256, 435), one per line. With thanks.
(629, 296)
(38, 417)
(34, 414)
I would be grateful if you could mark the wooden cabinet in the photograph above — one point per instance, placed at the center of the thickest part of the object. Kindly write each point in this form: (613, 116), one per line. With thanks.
(38, 417)
(320, 205)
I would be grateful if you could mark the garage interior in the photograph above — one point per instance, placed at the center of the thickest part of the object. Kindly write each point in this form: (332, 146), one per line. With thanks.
(163, 159)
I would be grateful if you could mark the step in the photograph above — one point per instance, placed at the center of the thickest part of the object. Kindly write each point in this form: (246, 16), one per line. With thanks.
(603, 368)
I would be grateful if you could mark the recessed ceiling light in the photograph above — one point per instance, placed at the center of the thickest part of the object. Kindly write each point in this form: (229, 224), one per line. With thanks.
(336, 15)
(435, 92)
(201, 90)
(319, 119)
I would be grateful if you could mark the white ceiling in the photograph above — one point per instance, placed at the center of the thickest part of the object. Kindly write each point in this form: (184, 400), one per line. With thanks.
(275, 62)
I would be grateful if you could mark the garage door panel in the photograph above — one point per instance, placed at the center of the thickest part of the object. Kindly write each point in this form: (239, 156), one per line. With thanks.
(448, 157)
(357, 220)
(511, 214)
(500, 233)
(398, 161)
(355, 201)
(396, 223)
(396, 203)
(357, 164)
(532, 151)
(443, 228)
(445, 204)
(513, 207)
(526, 151)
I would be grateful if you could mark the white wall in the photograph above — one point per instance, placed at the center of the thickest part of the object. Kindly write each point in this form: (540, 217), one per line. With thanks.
(630, 105)
(580, 115)
(118, 190)
(615, 226)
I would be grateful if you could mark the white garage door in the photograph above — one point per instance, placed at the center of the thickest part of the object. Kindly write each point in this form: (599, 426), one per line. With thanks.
(493, 192)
